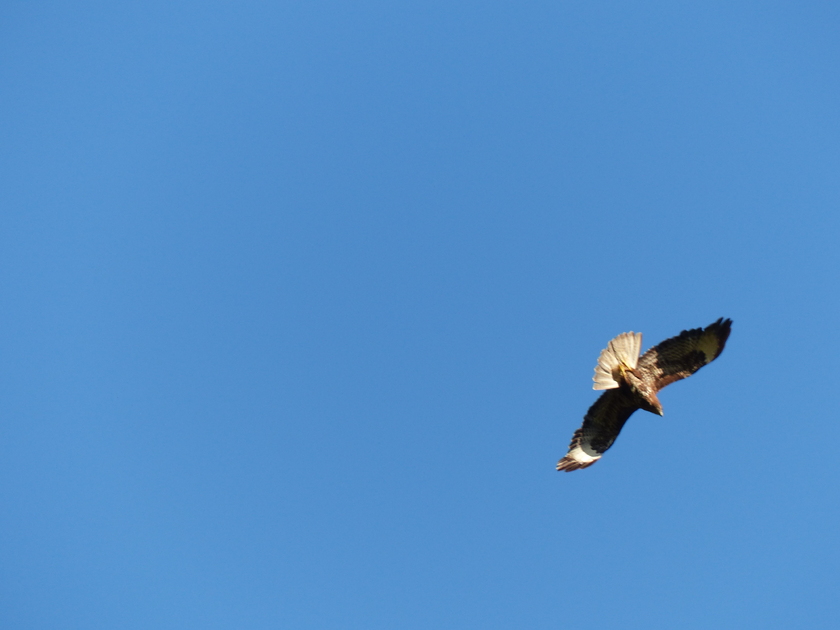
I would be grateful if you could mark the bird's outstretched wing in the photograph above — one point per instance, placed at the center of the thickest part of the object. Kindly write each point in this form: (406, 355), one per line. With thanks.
(681, 356)
(601, 425)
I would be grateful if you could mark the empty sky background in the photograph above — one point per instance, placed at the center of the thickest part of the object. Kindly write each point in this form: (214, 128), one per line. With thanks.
(300, 303)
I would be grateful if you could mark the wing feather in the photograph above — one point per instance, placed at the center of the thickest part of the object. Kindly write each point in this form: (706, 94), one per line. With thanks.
(601, 426)
(681, 356)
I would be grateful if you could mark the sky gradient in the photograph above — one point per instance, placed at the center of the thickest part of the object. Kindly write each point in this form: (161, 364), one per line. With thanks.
(301, 303)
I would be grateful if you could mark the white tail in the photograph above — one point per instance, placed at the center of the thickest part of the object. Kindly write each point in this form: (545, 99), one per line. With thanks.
(623, 350)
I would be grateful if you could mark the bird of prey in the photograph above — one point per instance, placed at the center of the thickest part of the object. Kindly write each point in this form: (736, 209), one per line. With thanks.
(632, 383)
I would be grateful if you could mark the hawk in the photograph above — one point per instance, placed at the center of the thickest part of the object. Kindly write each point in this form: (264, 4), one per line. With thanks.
(632, 383)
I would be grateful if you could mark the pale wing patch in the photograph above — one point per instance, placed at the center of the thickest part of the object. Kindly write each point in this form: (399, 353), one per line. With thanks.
(623, 350)
(583, 454)
(709, 344)
(580, 455)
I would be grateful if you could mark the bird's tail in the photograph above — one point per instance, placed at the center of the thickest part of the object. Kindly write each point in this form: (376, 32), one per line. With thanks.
(622, 351)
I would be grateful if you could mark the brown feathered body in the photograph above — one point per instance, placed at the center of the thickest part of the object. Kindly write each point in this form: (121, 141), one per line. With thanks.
(632, 383)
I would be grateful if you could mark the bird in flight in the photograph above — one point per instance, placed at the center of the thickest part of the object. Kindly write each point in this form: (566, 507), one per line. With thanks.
(632, 383)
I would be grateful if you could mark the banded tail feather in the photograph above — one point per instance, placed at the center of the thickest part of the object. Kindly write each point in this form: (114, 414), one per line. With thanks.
(622, 352)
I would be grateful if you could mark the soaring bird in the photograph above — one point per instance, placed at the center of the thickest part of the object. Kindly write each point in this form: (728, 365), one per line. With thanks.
(632, 383)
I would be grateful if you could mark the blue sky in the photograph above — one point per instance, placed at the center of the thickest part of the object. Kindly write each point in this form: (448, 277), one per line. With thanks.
(301, 303)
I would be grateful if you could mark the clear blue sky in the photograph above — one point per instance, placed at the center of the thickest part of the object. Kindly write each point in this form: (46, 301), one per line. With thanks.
(300, 303)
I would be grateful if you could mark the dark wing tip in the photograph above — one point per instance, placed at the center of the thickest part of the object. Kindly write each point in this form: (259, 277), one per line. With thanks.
(724, 323)
(720, 329)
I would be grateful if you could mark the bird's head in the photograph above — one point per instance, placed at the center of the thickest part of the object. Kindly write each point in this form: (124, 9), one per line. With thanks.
(655, 405)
